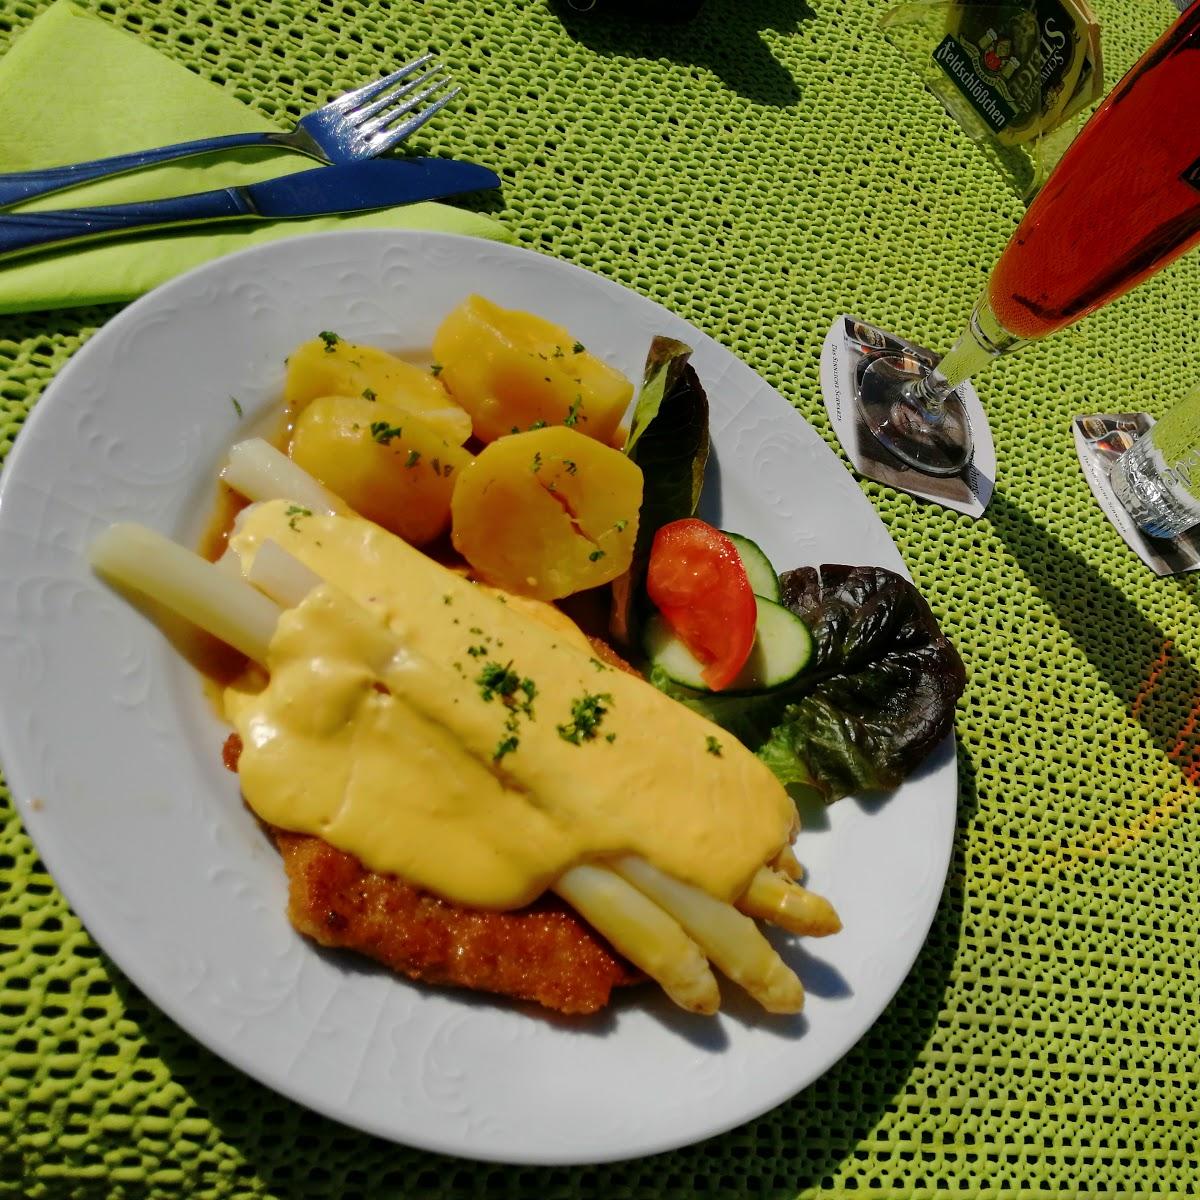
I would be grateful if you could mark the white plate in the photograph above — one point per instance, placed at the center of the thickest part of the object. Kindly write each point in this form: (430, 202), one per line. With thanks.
(114, 756)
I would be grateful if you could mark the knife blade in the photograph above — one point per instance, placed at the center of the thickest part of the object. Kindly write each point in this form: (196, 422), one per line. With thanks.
(324, 191)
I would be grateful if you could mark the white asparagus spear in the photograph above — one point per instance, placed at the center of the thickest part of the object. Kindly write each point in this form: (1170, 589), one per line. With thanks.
(281, 575)
(258, 471)
(731, 940)
(642, 931)
(788, 864)
(775, 898)
(207, 595)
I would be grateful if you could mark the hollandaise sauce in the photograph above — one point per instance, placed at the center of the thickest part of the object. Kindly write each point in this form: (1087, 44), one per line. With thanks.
(471, 742)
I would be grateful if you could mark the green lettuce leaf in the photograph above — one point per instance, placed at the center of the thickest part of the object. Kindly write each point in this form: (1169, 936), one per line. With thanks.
(878, 697)
(668, 439)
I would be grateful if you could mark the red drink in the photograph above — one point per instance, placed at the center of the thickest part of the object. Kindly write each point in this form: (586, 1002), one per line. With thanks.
(1124, 201)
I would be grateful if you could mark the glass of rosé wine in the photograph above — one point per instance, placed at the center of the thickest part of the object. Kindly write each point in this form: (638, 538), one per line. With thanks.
(1123, 202)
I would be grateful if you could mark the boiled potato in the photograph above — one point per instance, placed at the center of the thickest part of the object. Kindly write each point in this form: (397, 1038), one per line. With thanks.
(331, 366)
(512, 371)
(400, 475)
(547, 513)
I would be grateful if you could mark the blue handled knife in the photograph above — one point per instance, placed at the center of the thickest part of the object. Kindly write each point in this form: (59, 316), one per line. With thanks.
(356, 187)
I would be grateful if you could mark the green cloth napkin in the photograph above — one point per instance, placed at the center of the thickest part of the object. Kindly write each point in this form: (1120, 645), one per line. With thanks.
(111, 94)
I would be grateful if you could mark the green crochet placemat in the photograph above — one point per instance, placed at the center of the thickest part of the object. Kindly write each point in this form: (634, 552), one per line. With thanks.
(758, 171)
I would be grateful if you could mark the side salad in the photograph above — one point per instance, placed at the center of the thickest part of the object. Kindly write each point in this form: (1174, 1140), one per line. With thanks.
(837, 677)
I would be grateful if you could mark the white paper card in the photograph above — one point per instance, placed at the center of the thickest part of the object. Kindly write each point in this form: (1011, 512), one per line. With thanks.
(849, 346)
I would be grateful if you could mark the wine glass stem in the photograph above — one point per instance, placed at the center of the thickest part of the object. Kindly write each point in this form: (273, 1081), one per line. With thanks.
(929, 393)
(983, 339)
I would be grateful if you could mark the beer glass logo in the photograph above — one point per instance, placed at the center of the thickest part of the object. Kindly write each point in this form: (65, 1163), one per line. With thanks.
(997, 55)
(1016, 61)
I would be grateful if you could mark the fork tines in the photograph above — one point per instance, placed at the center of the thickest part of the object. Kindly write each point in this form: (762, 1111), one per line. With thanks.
(374, 108)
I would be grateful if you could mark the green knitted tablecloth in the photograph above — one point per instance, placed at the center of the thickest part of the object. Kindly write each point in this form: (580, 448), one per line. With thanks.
(758, 172)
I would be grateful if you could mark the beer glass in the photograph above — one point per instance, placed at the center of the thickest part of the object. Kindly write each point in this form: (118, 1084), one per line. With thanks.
(1158, 478)
(1123, 202)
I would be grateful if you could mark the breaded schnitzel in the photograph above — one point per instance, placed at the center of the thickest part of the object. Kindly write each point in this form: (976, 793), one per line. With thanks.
(542, 953)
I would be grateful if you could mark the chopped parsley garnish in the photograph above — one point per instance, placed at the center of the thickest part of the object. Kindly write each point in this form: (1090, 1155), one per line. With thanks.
(577, 348)
(712, 745)
(537, 462)
(447, 598)
(621, 525)
(573, 412)
(595, 556)
(477, 651)
(571, 466)
(330, 340)
(535, 425)
(586, 715)
(436, 464)
(435, 369)
(496, 680)
(597, 664)
(413, 458)
(610, 738)
(558, 352)
(237, 408)
(500, 680)
(369, 393)
(446, 469)
(295, 512)
(476, 630)
(505, 746)
(383, 433)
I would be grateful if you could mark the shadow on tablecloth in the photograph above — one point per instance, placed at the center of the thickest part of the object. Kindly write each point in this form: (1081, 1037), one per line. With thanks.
(1133, 656)
(726, 37)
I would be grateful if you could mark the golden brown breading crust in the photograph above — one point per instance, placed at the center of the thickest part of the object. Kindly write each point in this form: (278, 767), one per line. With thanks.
(606, 654)
(542, 953)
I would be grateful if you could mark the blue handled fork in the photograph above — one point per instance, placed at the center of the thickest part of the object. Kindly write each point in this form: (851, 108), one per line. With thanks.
(357, 125)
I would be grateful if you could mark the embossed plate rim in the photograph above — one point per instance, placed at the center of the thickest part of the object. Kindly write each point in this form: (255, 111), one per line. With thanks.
(434, 1069)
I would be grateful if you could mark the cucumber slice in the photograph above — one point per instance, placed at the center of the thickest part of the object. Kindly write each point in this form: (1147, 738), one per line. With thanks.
(782, 649)
(764, 581)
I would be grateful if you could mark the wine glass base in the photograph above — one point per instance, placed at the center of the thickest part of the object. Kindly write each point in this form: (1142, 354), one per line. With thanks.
(934, 443)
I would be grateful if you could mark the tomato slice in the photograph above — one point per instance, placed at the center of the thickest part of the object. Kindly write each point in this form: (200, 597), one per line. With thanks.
(697, 581)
